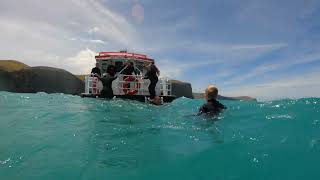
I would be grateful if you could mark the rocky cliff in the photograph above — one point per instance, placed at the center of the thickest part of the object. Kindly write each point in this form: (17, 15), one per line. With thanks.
(180, 89)
(38, 79)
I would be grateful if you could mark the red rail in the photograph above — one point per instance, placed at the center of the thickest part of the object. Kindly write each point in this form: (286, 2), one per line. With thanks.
(103, 55)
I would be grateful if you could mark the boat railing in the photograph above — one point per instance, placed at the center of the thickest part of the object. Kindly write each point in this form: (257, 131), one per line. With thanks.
(140, 85)
(129, 84)
(91, 85)
(165, 86)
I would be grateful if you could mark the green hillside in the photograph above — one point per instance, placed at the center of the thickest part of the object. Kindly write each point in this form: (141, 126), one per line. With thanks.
(12, 65)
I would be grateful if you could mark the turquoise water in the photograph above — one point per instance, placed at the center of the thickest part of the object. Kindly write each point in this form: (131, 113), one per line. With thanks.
(56, 136)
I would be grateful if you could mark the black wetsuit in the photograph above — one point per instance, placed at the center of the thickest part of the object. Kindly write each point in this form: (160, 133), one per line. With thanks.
(212, 107)
(153, 77)
(107, 91)
(111, 70)
(129, 70)
(96, 70)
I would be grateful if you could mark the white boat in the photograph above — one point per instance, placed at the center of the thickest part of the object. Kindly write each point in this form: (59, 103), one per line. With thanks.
(135, 87)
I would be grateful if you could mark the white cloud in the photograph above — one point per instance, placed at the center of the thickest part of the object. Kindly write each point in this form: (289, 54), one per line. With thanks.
(82, 62)
(94, 30)
(235, 54)
(33, 42)
(174, 69)
(298, 86)
(67, 34)
(173, 28)
(34, 37)
(278, 65)
(258, 46)
(232, 53)
(51, 34)
(111, 25)
(97, 41)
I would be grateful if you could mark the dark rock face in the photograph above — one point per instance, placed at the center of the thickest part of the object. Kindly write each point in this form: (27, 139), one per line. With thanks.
(180, 89)
(6, 81)
(41, 79)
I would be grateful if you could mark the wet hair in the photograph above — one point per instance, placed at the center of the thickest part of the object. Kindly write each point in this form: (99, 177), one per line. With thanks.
(211, 92)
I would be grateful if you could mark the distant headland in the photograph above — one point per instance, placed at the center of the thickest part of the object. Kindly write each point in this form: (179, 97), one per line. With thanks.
(19, 77)
(16, 76)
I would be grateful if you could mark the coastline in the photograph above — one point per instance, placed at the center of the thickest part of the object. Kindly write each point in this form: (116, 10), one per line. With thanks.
(16, 76)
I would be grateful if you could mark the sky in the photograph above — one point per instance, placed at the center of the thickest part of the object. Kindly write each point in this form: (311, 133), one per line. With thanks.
(259, 48)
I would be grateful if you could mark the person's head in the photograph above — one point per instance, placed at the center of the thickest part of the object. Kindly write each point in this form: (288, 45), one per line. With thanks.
(156, 100)
(130, 63)
(211, 92)
(97, 64)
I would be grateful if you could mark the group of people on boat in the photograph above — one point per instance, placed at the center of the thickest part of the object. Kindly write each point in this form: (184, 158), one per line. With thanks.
(127, 70)
(211, 107)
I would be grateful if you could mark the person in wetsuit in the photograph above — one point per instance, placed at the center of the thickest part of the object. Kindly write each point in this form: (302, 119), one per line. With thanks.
(96, 70)
(212, 107)
(152, 74)
(129, 69)
(107, 91)
(111, 70)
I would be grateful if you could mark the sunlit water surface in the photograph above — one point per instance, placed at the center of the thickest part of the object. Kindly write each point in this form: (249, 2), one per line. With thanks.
(57, 136)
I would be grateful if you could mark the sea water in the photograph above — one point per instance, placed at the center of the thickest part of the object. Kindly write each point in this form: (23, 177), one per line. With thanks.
(57, 136)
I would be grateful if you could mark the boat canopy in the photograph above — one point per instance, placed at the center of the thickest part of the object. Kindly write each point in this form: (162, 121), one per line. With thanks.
(123, 55)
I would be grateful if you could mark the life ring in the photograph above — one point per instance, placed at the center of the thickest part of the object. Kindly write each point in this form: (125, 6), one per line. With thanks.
(131, 90)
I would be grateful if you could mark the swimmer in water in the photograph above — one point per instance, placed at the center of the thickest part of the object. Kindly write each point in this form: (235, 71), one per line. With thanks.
(212, 107)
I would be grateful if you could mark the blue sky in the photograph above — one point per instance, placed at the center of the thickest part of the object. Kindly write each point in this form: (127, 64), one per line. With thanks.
(262, 48)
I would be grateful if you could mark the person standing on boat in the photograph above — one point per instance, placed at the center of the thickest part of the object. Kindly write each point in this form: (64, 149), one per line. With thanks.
(152, 74)
(111, 70)
(129, 69)
(96, 70)
(106, 80)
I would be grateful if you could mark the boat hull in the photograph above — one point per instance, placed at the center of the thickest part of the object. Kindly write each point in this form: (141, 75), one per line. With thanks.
(141, 98)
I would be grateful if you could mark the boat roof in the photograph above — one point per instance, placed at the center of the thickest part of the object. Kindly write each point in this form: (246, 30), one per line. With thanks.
(123, 55)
